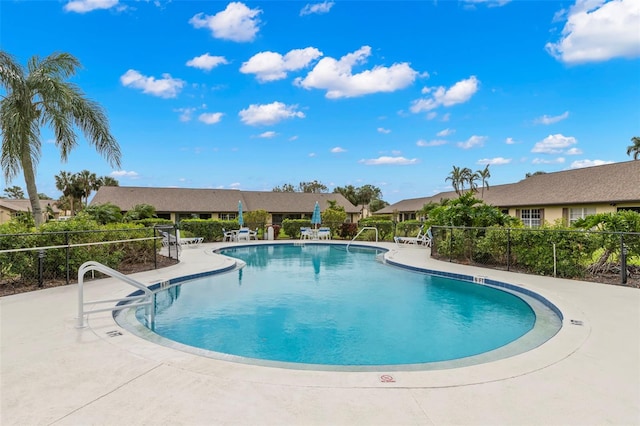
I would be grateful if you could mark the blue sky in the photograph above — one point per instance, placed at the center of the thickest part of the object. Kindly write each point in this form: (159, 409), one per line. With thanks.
(254, 95)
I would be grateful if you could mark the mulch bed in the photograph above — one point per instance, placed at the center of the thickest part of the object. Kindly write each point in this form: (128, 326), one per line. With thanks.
(15, 286)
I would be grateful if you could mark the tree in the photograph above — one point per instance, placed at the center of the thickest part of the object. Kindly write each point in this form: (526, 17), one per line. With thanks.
(41, 97)
(287, 187)
(529, 174)
(88, 181)
(484, 175)
(67, 183)
(456, 177)
(103, 213)
(107, 181)
(140, 211)
(349, 192)
(314, 187)
(634, 148)
(14, 192)
(471, 178)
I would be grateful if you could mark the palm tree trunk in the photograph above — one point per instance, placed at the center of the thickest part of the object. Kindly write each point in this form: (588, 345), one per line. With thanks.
(30, 180)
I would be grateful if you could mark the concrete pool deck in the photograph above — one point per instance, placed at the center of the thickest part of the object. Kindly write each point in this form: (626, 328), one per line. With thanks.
(52, 373)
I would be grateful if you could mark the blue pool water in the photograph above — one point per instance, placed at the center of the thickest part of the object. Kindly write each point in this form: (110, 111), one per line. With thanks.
(321, 304)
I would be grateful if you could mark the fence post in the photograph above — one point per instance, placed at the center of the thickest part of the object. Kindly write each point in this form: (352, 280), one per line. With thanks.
(623, 260)
(40, 268)
(155, 249)
(509, 249)
(451, 244)
(67, 254)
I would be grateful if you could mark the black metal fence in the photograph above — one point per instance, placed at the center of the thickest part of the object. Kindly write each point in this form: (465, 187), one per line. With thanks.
(609, 257)
(52, 258)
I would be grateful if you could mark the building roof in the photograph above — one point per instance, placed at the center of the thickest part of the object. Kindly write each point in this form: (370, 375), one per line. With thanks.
(195, 200)
(23, 205)
(609, 183)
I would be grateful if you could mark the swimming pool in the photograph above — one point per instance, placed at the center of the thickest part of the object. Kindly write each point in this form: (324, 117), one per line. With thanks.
(324, 306)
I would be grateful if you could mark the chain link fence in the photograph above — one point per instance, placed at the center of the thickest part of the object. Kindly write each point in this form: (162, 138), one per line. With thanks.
(37, 260)
(607, 257)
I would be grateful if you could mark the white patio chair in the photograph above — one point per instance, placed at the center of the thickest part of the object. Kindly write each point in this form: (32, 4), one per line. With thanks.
(228, 235)
(324, 233)
(305, 233)
(244, 234)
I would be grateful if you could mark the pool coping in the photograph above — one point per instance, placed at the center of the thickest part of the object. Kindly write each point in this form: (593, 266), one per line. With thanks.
(529, 341)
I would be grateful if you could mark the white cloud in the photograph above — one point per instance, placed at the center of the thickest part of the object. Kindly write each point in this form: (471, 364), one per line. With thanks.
(338, 150)
(435, 142)
(210, 117)
(270, 66)
(488, 3)
(510, 141)
(83, 6)
(383, 130)
(574, 151)
(459, 93)
(268, 135)
(473, 141)
(318, 8)
(207, 62)
(236, 23)
(165, 87)
(293, 138)
(554, 144)
(496, 161)
(268, 114)
(559, 160)
(598, 30)
(336, 77)
(395, 161)
(124, 174)
(185, 113)
(445, 132)
(545, 119)
(235, 185)
(588, 163)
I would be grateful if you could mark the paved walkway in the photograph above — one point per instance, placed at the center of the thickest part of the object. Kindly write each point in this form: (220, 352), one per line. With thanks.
(55, 374)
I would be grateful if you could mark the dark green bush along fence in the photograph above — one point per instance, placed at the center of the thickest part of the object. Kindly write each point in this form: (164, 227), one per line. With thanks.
(588, 255)
(44, 257)
(209, 229)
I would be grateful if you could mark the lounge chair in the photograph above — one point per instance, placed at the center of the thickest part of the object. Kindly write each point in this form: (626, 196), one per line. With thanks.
(253, 234)
(169, 239)
(422, 239)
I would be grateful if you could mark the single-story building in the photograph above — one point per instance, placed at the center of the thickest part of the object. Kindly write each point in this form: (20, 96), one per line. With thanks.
(180, 203)
(9, 208)
(566, 195)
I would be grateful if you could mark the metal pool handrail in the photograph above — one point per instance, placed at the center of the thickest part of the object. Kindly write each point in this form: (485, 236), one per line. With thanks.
(145, 299)
(360, 232)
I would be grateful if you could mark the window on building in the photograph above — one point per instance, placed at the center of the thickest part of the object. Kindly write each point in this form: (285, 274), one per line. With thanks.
(580, 213)
(227, 216)
(532, 218)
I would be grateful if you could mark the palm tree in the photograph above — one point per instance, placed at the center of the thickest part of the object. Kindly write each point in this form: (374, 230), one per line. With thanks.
(88, 182)
(634, 148)
(456, 177)
(67, 184)
(42, 97)
(484, 175)
(471, 178)
(107, 181)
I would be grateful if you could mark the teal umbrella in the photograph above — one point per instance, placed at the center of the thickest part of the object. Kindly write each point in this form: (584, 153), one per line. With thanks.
(316, 219)
(240, 218)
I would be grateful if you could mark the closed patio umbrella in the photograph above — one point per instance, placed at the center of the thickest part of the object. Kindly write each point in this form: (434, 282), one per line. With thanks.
(316, 219)
(240, 218)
